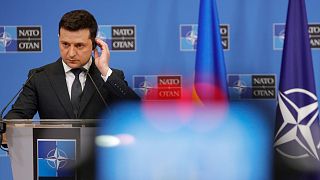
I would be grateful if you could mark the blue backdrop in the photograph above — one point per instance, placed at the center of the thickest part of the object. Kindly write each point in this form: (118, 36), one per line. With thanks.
(155, 38)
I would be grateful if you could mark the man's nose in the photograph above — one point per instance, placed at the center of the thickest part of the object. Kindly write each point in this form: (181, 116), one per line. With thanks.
(72, 51)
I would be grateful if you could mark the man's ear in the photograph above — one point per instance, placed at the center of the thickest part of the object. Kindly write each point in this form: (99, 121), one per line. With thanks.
(94, 44)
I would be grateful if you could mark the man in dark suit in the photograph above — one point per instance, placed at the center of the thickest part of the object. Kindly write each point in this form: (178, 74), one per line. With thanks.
(64, 89)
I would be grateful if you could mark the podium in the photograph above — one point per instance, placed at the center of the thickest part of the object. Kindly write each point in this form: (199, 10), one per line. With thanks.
(51, 149)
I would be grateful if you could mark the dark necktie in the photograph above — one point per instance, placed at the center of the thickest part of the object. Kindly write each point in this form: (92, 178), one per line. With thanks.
(76, 91)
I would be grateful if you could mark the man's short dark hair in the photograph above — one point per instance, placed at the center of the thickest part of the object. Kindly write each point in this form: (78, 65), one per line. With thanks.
(77, 20)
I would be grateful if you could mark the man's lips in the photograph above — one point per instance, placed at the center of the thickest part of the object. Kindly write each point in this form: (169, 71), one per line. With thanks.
(72, 60)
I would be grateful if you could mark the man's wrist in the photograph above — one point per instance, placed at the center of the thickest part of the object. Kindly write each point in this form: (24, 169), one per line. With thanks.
(105, 77)
(104, 71)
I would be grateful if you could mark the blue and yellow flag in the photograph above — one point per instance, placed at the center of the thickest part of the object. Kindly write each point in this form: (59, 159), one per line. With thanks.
(297, 129)
(210, 83)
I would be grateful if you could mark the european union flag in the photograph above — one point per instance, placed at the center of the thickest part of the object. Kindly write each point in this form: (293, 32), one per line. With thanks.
(210, 84)
(297, 134)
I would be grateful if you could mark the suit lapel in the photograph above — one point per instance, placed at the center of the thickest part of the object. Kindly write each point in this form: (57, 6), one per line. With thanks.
(89, 88)
(57, 78)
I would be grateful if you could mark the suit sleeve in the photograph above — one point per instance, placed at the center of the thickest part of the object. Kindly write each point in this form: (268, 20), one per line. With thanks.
(118, 88)
(25, 106)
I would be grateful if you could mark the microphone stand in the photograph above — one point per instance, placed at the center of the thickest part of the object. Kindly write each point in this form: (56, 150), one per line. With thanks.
(3, 125)
(97, 89)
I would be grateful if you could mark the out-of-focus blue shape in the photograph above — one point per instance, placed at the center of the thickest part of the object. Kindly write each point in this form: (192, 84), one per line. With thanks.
(182, 141)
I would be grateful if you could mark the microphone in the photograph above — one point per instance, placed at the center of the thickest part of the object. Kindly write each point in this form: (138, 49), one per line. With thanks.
(97, 89)
(2, 123)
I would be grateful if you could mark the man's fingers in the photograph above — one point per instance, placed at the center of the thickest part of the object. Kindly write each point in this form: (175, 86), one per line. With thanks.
(104, 47)
(96, 54)
(101, 44)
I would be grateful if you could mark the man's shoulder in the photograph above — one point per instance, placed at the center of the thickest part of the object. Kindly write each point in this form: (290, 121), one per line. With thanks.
(46, 67)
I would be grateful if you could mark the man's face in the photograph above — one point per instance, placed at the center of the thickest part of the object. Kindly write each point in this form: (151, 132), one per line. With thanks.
(75, 47)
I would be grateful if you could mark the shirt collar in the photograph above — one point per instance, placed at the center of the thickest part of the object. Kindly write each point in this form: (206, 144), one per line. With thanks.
(86, 66)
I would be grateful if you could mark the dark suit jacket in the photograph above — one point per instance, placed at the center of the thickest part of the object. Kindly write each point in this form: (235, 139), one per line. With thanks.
(47, 93)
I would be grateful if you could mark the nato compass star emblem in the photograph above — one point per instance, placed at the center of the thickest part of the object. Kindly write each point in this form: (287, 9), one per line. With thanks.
(239, 86)
(296, 126)
(282, 35)
(192, 37)
(5, 39)
(145, 87)
(57, 158)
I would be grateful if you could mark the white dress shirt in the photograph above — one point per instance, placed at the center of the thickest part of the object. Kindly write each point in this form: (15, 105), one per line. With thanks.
(82, 76)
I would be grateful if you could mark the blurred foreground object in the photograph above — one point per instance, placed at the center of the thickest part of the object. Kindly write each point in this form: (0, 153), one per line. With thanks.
(184, 141)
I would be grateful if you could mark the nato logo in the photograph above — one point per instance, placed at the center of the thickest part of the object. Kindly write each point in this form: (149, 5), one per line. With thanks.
(143, 84)
(314, 32)
(189, 36)
(251, 86)
(239, 86)
(20, 39)
(119, 38)
(279, 34)
(158, 87)
(56, 158)
(225, 36)
(298, 135)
